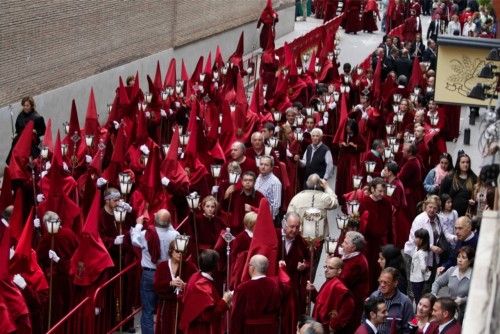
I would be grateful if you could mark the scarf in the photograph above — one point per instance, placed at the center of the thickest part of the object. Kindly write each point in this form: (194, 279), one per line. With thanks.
(440, 174)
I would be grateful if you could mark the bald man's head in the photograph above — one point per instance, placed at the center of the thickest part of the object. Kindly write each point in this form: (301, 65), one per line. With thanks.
(162, 218)
(333, 267)
(258, 265)
(463, 228)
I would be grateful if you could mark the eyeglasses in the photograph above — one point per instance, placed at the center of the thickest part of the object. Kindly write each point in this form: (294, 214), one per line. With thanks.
(331, 268)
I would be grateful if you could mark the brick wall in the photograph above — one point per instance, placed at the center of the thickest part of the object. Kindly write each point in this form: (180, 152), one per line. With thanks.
(45, 44)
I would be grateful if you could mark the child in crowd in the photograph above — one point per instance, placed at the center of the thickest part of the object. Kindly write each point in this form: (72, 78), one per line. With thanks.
(447, 217)
(419, 272)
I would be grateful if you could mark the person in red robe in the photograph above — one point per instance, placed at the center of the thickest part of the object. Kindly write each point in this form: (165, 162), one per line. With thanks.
(239, 248)
(330, 9)
(295, 252)
(113, 240)
(376, 155)
(240, 199)
(16, 306)
(370, 13)
(65, 244)
(208, 227)
(355, 272)
(443, 313)
(375, 213)
(400, 220)
(438, 131)
(203, 306)
(239, 158)
(412, 178)
(349, 151)
(169, 282)
(375, 315)
(333, 303)
(268, 19)
(411, 27)
(351, 21)
(258, 301)
(423, 150)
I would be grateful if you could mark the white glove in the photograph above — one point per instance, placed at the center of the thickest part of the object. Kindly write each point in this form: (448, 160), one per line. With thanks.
(320, 123)
(119, 239)
(177, 104)
(19, 281)
(325, 119)
(116, 125)
(88, 159)
(11, 252)
(369, 178)
(53, 256)
(276, 129)
(65, 166)
(48, 165)
(97, 311)
(36, 222)
(288, 153)
(144, 149)
(165, 181)
(40, 198)
(332, 105)
(163, 113)
(101, 182)
(126, 206)
(215, 190)
(364, 115)
(43, 174)
(459, 300)
(148, 114)
(170, 111)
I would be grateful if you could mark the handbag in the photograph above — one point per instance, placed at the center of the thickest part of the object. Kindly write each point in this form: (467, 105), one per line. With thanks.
(443, 243)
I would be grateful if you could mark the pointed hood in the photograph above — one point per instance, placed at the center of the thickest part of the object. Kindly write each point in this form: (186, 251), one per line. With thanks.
(21, 153)
(184, 72)
(91, 118)
(237, 57)
(339, 135)
(326, 47)
(16, 222)
(74, 123)
(157, 82)
(170, 166)
(134, 93)
(22, 254)
(195, 77)
(208, 65)
(312, 63)
(123, 99)
(416, 79)
(264, 241)
(377, 80)
(219, 61)
(47, 137)
(57, 199)
(91, 257)
(171, 77)
(151, 179)
(6, 197)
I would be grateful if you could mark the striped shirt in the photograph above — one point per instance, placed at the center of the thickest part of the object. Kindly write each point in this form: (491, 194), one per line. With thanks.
(270, 186)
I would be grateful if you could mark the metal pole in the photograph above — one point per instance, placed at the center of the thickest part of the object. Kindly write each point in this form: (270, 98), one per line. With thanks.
(228, 237)
(120, 282)
(177, 300)
(196, 238)
(51, 272)
(309, 296)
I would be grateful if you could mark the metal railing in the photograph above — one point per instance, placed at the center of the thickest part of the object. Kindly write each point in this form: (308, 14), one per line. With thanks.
(97, 313)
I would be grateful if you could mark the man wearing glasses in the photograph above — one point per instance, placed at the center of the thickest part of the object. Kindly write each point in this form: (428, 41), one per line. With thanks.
(334, 304)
